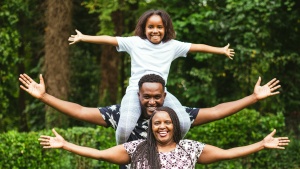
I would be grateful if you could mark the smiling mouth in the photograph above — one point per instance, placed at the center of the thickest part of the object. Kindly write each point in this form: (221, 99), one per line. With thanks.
(151, 109)
(163, 133)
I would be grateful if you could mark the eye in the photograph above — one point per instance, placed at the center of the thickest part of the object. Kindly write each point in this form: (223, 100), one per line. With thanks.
(168, 122)
(156, 123)
(157, 97)
(160, 27)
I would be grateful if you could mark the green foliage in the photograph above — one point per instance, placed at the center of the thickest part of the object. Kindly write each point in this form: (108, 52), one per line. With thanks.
(10, 43)
(22, 150)
(244, 128)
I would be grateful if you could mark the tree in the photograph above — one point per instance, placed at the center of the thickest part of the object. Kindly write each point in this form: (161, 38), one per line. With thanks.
(58, 19)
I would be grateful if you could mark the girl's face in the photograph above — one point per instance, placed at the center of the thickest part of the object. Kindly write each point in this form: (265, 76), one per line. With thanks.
(155, 30)
(162, 128)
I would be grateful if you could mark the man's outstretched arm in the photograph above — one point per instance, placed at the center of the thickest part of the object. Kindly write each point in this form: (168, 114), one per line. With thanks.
(74, 110)
(223, 110)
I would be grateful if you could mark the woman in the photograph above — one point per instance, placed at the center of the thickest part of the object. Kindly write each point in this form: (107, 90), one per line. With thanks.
(164, 147)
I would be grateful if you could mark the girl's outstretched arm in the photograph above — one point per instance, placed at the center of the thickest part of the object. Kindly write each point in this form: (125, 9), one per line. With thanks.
(215, 50)
(116, 154)
(212, 154)
(103, 39)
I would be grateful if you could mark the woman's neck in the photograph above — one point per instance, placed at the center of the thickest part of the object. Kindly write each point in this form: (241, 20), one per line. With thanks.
(167, 147)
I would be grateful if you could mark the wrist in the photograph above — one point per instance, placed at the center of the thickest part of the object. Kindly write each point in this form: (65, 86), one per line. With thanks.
(43, 97)
(64, 145)
(254, 98)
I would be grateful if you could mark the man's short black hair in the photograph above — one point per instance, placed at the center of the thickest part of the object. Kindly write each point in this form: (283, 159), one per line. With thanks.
(152, 78)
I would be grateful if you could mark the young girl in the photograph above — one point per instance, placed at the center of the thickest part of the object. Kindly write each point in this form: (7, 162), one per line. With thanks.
(152, 50)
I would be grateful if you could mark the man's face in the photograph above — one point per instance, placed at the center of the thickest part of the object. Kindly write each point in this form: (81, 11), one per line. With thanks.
(151, 96)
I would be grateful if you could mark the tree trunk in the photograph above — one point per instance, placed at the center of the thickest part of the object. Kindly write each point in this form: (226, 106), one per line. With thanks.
(110, 60)
(58, 21)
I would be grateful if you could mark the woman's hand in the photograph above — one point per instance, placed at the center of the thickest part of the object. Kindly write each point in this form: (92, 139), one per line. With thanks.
(278, 143)
(52, 142)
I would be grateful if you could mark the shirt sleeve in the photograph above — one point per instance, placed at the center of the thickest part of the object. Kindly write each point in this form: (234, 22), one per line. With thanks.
(193, 112)
(131, 146)
(194, 148)
(125, 44)
(181, 48)
(111, 115)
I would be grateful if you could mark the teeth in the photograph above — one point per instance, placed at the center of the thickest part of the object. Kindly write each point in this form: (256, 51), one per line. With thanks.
(151, 108)
(163, 133)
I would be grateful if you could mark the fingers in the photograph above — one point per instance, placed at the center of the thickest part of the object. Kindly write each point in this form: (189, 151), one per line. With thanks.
(271, 82)
(258, 81)
(41, 79)
(273, 133)
(25, 80)
(282, 141)
(45, 141)
(274, 83)
(54, 132)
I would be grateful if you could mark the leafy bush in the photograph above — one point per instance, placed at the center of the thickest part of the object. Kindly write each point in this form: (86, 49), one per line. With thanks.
(22, 150)
(247, 127)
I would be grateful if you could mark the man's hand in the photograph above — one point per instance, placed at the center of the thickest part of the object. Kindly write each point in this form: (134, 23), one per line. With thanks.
(266, 90)
(228, 52)
(33, 88)
(278, 143)
(52, 142)
(75, 38)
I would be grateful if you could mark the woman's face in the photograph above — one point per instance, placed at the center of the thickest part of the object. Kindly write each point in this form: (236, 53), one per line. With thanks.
(162, 128)
(155, 30)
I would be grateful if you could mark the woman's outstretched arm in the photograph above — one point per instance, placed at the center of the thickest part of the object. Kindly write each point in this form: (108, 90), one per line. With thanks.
(116, 154)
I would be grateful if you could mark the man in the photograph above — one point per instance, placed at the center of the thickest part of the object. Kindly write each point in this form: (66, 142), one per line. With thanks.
(151, 95)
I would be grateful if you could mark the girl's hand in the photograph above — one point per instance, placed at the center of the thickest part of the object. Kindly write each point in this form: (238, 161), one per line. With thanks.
(228, 52)
(75, 38)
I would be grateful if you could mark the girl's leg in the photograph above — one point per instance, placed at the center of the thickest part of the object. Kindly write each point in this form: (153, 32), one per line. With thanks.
(184, 119)
(130, 112)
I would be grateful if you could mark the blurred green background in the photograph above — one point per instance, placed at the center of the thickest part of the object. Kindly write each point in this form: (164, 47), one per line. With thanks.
(264, 34)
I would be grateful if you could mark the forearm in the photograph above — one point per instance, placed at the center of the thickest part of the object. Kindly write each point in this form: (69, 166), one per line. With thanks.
(68, 108)
(82, 151)
(91, 115)
(211, 154)
(223, 110)
(103, 39)
(226, 109)
(206, 49)
(245, 150)
(115, 155)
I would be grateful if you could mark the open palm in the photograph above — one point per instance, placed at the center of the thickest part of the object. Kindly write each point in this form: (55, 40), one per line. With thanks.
(52, 142)
(278, 143)
(30, 86)
(266, 90)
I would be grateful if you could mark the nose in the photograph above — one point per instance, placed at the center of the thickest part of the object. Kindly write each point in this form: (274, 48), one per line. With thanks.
(162, 126)
(151, 101)
(155, 30)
